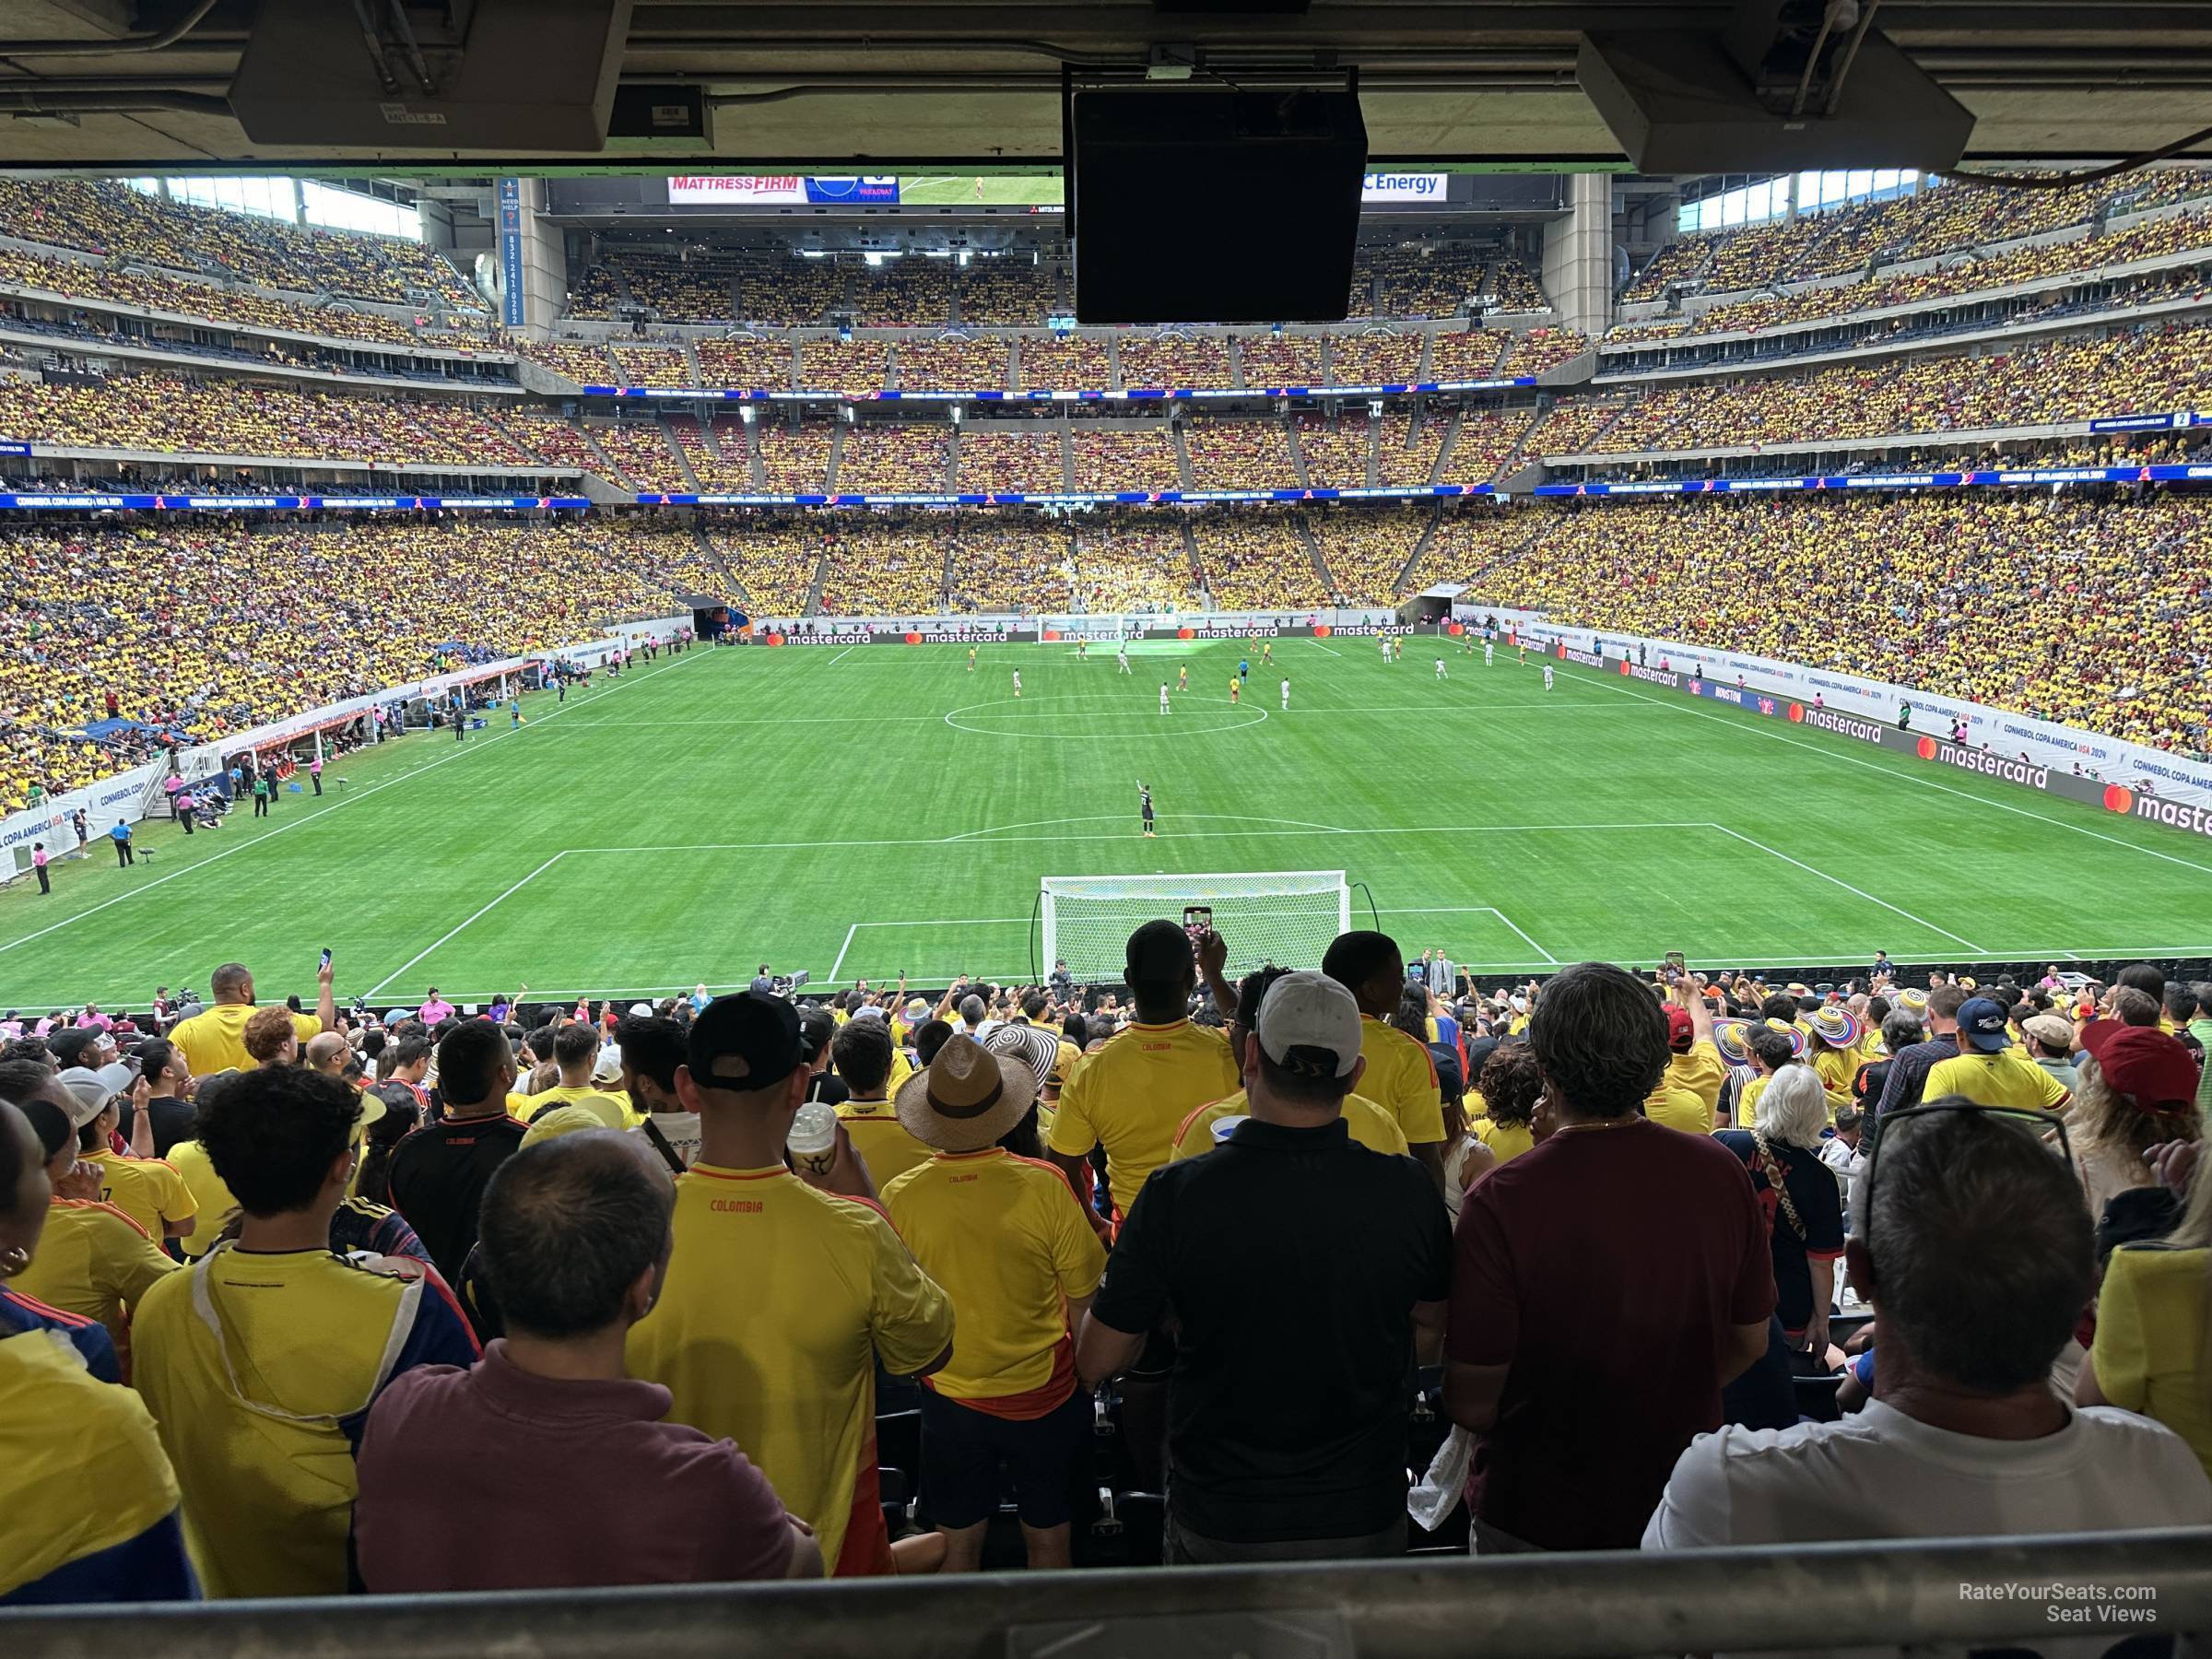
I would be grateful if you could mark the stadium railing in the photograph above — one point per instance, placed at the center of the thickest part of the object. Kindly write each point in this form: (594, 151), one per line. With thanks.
(1979, 1593)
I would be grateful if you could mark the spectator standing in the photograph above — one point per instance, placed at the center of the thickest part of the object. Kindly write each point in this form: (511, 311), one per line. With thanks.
(2153, 1319)
(1971, 1242)
(1985, 1071)
(652, 1048)
(88, 1500)
(435, 1011)
(1133, 1094)
(168, 1081)
(1909, 1068)
(37, 864)
(1201, 1131)
(1288, 1250)
(1799, 1199)
(782, 1296)
(214, 1040)
(439, 1174)
(2050, 1043)
(93, 1262)
(260, 1361)
(1583, 1355)
(1008, 1239)
(576, 1057)
(549, 1411)
(2138, 1091)
(1399, 1073)
(878, 1130)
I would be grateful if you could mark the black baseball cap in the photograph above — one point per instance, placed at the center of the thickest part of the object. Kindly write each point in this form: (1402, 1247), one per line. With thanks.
(749, 1041)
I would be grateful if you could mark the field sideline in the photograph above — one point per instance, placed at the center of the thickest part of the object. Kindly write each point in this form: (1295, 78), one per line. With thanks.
(856, 812)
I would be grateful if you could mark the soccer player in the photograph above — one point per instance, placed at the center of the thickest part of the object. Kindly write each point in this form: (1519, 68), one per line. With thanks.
(1243, 668)
(1489, 651)
(972, 659)
(1266, 652)
(1083, 647)
(1183, 677)
(1121, 658)
(1524, 644)
(1440, 669)
(1144, 805)
(1017, 682)
(1547, 676)
(1286, 697)
(1235, 686)
(1163, 697)
(1383, 643)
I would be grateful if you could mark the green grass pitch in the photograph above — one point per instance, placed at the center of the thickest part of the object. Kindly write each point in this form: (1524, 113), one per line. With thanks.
(856, 812)
(999, 190)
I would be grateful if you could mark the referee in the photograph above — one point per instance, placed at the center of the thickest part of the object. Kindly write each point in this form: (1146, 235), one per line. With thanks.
(1144, 804)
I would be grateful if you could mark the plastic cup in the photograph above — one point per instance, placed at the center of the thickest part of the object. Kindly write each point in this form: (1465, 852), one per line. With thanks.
(1226, 1127)
(813, 1138)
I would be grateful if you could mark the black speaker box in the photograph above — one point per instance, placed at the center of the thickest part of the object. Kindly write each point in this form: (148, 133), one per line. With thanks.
(1208, 205)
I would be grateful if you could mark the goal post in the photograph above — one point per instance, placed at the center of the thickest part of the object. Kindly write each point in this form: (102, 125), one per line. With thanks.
(1284, 917)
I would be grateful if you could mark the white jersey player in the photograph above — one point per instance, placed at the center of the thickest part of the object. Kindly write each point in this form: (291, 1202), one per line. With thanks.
(1440, 669)
(1384, 643)
(1286, 695)
(1121, 659)
(1163, 697)
(1017, 682)
(1547, 676)
(1490, 649)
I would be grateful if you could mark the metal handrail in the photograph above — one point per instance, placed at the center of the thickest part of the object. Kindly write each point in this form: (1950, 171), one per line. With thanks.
(1565, 1607)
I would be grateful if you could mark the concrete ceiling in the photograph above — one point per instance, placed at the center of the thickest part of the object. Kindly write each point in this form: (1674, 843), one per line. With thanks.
(839, 85)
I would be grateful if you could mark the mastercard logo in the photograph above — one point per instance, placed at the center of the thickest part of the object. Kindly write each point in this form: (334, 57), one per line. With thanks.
(1624, 664)
(1796, 712)
(1562, 653)
(775, 638)
(2118, 797)
(1184, 633)
(1051, 634)
(1925, 748)
(1455, 629)
(1321, 631)
(913, 638)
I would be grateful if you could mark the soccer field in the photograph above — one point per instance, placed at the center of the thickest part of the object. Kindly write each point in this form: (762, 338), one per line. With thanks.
(859, 812)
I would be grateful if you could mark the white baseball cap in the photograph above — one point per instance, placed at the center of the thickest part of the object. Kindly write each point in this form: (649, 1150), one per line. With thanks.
(1312, 1011)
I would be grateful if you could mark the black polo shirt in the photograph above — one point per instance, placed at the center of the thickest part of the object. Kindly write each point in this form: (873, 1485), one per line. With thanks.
(439, 1174)
(1292, 1259)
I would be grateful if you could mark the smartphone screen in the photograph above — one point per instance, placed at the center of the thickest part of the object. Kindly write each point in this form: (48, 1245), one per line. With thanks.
(1198, 919)
(1674, 962)
(326, 957)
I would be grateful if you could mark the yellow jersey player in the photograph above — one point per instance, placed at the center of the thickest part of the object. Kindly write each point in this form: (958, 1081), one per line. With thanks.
(1235, 687)
(972, 659)
(1183, 677)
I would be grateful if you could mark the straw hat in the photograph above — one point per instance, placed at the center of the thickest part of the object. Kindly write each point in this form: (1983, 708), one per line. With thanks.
(1728, 1036)
(1839, 1027)
(967, 1098)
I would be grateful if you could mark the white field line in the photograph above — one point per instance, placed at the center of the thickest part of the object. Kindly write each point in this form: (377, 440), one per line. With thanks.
(473, 917)
(1759, 730)
(1531, 943)
(1862, 892)
(460, 749)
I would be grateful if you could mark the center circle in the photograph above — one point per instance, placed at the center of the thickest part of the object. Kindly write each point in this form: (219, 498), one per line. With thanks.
(1015, 719)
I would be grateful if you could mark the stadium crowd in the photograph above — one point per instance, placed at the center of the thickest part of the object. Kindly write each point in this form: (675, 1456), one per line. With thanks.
(1934, 220)
(207, 628)
(306, 1300)
(2178, 233)
(2089, 612)
(116, 222)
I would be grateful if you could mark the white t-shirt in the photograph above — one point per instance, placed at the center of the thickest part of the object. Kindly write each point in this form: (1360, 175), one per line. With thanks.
(680, 1129)
(1880, 1474)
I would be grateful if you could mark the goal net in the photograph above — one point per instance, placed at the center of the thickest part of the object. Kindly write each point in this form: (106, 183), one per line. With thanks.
(1284, 917)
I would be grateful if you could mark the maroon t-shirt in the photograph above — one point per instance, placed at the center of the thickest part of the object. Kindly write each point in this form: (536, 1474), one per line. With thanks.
(495, 1479)
(1605, 1266)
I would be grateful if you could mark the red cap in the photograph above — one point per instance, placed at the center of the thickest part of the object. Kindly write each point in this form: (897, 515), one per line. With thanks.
(1678, 1029)
(2144, 1061)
